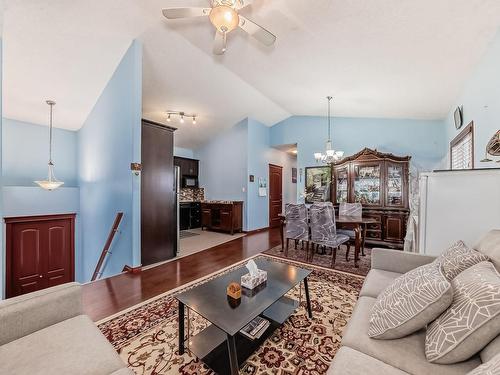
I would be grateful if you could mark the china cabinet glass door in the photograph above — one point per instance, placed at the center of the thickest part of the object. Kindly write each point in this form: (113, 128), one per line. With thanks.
(395, 182)
(342, 184)
(367, 184)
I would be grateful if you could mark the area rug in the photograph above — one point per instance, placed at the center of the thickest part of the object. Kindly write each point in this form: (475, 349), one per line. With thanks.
(146, 336)
(325, 260)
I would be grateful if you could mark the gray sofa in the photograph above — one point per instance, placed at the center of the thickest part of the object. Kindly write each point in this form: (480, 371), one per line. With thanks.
(45, 332)
(362, 355)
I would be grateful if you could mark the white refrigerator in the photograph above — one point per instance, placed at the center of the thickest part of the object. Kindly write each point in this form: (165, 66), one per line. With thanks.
(457, 205)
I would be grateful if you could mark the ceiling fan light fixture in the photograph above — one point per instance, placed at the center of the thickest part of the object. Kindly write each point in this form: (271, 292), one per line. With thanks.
(224, 18)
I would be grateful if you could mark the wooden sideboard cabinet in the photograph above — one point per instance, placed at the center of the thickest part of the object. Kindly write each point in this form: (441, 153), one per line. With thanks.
(222, 216)
(378, 181)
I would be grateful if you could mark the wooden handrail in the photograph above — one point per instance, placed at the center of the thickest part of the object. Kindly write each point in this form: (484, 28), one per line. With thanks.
(105, 250)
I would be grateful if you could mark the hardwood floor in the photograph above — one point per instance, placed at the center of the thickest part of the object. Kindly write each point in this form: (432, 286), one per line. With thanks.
(106, 297)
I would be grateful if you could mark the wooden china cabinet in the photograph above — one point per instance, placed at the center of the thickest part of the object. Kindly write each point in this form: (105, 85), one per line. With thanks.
(379, 182)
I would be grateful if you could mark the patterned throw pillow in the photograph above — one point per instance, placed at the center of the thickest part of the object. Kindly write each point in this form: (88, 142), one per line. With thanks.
(410, 303)
(492, 367)
(457, 258)
(472, 320)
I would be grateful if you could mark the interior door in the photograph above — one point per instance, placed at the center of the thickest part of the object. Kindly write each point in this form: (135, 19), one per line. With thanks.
(39, 252)
(275, 194)
(158, 207)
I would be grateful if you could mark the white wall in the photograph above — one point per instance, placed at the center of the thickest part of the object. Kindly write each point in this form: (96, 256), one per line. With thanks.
(480, 98)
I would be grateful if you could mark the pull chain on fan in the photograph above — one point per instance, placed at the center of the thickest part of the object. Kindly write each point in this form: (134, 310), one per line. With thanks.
(225, 18)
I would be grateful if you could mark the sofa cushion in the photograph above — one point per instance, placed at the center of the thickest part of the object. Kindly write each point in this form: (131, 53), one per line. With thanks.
(492, 367)
(74, 346)
(31, 312)
(406, 354)
(376, 281)
(348, 361)
(412, 301)
(457, 258)
(490, 245)
(472, 320)
(490, 350)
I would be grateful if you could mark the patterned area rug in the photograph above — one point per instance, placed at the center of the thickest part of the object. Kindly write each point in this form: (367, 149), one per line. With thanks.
(146, 336)
(325, 260)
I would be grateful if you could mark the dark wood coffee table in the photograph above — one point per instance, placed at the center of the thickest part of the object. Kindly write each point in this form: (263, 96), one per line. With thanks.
(222, 340)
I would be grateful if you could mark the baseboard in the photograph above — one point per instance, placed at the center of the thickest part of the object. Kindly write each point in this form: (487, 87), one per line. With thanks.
(256, 230)
(133, 270)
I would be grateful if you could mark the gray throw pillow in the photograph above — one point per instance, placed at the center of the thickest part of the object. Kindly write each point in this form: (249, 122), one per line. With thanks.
(457, 258)
(410, 303)
(492, 367)
(472, 320)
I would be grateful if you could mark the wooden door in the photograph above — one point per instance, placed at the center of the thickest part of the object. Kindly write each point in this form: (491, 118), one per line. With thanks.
(275, 194)
(158, 207)
(40, 252)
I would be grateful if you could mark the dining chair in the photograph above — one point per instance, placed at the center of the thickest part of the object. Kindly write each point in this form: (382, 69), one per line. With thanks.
(296, 226)
(323, 231)
(350, 209)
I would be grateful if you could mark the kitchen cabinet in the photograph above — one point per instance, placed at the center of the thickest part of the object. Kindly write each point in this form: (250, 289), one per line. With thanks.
(190, 215)
(378, 181)
(222, 216)
(188, 167)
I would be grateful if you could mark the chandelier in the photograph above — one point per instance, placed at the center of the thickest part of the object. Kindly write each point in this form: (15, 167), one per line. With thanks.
(51, 182)
(330, 155)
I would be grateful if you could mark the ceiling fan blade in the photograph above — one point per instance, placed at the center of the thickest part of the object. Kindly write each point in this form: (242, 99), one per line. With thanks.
(175, 13)
(258, 32)
(220, 43)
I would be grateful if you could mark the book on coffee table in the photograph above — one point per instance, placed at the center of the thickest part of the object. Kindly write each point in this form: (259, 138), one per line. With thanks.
(255, 328)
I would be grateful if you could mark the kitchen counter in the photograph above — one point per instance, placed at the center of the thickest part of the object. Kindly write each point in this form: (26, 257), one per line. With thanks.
(225, 216)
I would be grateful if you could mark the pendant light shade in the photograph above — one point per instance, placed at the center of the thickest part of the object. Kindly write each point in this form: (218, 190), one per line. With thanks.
(51, 182)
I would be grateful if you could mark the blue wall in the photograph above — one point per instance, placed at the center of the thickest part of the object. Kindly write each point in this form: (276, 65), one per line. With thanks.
(258, 165)
(424, 141)
(105, 150)
(25, 153)
(481, 102)
(223, 165)
(183, 152)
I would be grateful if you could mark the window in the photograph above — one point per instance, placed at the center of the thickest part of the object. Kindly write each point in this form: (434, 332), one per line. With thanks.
(462, 149)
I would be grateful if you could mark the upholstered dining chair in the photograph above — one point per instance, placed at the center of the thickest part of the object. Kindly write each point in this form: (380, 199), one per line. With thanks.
(323, 231)
(350, 209)
(296, 225)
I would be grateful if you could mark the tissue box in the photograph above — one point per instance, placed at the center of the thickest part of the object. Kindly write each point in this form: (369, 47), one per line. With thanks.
(250, 282)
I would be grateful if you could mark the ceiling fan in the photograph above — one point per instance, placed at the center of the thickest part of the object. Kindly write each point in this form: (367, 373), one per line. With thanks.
(224, 15)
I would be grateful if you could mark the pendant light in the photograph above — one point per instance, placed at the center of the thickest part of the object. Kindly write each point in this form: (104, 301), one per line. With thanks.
(51, 182)
(330, 155)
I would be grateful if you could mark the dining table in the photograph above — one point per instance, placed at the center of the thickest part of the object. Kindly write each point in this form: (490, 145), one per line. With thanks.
(356, 223)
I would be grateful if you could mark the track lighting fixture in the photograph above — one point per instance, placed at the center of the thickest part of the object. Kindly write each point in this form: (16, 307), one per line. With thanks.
(182, 115)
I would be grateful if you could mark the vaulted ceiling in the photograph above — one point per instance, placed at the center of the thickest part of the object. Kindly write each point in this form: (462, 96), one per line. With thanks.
(391, 58)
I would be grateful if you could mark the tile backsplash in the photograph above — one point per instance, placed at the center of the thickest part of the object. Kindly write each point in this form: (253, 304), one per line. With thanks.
(192, 194)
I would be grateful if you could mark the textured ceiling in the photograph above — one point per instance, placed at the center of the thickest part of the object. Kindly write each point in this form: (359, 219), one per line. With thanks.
(391, 58)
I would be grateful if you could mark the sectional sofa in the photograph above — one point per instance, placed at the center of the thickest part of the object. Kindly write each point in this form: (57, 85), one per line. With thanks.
(46, 332)
(362, 355)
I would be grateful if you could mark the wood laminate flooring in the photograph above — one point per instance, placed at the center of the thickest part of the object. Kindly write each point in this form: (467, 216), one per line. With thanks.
(108, 296)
